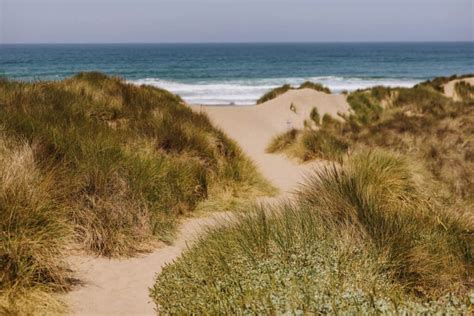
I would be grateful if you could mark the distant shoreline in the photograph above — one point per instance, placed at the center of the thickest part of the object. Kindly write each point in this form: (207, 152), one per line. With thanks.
(242, 72)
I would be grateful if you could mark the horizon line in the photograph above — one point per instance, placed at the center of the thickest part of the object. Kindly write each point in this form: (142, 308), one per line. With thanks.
(242, 42)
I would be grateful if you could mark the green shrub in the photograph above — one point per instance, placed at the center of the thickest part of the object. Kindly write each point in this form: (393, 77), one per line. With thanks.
(391, 204)
(365, 108)
(320, 144)
(282, 141)
(361, 238)
(439, 82)
(131, 158)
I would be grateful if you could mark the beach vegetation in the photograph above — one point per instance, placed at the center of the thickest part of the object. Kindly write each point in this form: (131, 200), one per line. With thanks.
(109, 168)
(367, 235)
(464, 90)
(272, 94)
(314, 116)
(314, 86)
(439, 82)
(420, 122)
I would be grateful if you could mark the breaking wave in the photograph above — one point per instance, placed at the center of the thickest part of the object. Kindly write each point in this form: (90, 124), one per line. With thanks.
(246, 92)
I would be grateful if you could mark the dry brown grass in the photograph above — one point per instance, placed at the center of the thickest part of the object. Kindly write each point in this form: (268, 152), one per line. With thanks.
(34, 231)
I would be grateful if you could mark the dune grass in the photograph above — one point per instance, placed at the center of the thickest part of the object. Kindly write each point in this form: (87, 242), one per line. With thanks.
(464, 90)
(314, 86)
(439, 82)
(105, 166)
(33, 232)
(420, 122)
(387, 228)
(368, 236)
(272, 94)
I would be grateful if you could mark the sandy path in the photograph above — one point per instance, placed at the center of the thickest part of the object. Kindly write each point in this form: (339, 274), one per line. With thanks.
(120, 286)
(253, 127)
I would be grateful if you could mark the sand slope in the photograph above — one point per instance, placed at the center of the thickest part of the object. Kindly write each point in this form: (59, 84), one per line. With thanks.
(449, 87)
(253, 127)
(120, 287)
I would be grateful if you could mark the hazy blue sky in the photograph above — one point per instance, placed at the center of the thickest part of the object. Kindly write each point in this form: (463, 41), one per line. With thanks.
(63, 21)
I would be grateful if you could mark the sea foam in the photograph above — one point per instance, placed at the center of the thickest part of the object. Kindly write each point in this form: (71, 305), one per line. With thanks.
(246, 92)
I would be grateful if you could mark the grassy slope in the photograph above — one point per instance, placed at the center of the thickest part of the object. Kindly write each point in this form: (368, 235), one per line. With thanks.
(382, 232)
(366, 237)
(106, 165)
(419, 122)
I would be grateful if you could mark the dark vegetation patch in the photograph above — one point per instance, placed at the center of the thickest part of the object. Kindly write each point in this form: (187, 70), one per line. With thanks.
(272, 94)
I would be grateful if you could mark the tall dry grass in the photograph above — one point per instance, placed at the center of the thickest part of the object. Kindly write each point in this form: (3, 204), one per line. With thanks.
(34, 231)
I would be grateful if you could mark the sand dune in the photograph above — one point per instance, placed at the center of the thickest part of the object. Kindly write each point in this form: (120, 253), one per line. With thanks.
(253, 127)
(449, 87)
(120, 286)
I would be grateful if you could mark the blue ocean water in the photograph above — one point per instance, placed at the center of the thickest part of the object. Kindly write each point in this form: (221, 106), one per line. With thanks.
(240, 73)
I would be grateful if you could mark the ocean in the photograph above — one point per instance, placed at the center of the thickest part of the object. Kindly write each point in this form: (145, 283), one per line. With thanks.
(240, 73)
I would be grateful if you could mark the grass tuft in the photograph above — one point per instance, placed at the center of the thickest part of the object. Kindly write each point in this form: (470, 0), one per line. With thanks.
(314, 86)
(33, 229)
(272, 94)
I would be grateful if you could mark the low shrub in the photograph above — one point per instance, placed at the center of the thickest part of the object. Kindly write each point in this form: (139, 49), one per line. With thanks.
(282, 141)
(315, 117)
(360, 238)
(439, 82)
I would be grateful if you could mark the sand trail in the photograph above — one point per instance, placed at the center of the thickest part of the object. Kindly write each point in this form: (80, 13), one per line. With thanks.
(253, 127)
(120, 286)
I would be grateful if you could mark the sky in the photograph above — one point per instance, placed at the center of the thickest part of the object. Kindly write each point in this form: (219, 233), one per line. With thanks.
(158, 21)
